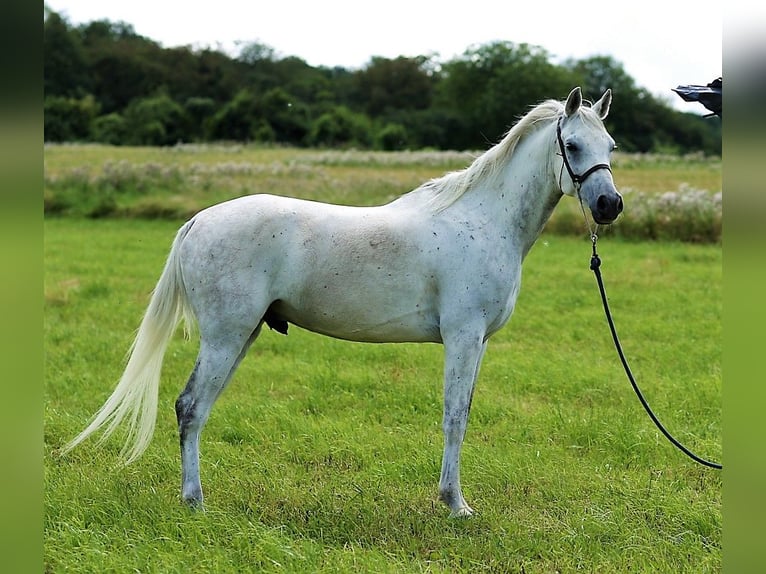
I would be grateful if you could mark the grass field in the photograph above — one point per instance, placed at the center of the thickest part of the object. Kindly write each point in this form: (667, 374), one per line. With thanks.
(666, 197)
(323, 456)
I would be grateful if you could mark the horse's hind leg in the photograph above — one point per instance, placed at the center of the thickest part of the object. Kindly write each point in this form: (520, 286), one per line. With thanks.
(215, 366)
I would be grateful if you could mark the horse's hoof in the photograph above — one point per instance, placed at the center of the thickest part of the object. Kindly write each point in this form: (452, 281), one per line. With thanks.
(194, 504)
(462, 512)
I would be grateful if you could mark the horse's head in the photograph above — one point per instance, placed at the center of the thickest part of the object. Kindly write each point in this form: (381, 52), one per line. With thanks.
(585, 146)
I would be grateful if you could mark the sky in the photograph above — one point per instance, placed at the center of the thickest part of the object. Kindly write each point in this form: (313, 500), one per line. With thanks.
(660, 43)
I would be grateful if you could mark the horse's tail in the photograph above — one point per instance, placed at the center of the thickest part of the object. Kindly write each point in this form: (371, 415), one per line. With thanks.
(135, 396)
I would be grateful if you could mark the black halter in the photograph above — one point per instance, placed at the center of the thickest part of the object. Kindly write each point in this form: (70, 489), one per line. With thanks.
(576, 179)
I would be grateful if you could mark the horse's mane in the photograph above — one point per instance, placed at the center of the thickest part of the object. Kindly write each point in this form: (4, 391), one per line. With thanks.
(444, 191)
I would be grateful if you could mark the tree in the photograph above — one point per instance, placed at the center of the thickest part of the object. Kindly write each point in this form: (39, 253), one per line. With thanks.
(237, 119)
(149, 94)
(313, 86)
(489, 86)
(398, 84)
(286, 114)
(199, 111)
(599, 73)
(64, 67)
(123, 65)
(256, 52)
(638, 122)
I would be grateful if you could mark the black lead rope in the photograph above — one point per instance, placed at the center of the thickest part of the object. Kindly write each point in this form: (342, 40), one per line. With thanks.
(595, 264)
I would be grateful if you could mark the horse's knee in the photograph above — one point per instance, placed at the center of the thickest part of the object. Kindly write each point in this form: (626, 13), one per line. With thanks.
(184, 409)
(185, 401)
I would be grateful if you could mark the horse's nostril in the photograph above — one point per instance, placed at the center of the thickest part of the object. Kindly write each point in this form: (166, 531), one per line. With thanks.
(606, 204)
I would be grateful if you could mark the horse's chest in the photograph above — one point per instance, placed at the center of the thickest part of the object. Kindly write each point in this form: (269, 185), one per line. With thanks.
(486, 292)
(505, 309)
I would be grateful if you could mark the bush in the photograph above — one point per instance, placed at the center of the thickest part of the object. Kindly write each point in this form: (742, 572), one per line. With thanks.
(68, 119)
(109, 129)
(392, 137)
(157, 120)
(263, 132)
(200, 111)
(285, 114)
(692, 215)
(687, 214)
(341, 127)
(235, 120)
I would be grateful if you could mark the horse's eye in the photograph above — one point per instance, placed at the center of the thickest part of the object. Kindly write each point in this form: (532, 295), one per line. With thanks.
(571, 147)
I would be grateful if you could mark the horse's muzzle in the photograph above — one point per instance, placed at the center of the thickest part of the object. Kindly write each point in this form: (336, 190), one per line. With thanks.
(607, 208)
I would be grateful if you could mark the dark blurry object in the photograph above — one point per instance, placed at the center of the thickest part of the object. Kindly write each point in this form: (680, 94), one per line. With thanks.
(709, 96)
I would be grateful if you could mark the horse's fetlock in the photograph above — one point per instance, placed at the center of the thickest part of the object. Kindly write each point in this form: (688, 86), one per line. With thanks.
(447, 495)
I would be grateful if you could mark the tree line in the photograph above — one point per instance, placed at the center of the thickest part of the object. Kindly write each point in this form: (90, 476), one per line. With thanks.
(105, 83)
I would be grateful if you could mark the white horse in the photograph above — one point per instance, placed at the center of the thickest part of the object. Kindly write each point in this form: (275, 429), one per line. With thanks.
(440, 264)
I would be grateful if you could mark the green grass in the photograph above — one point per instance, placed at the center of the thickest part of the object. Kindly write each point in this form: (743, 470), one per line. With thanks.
(324, 455)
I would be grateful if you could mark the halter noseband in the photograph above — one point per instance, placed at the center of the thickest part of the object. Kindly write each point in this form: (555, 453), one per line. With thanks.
(576, 179)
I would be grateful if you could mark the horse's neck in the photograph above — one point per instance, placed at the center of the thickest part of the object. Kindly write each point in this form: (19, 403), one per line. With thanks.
(525, 192)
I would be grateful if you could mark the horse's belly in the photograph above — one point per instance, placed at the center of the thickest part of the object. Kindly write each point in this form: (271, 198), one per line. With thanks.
(401, 329)
(377, 311)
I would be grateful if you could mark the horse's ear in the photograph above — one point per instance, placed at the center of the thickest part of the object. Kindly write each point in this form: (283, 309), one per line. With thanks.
(601, 107)
(574, 101)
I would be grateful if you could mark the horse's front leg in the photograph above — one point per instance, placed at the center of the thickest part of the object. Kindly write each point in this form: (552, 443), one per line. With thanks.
(463, 354)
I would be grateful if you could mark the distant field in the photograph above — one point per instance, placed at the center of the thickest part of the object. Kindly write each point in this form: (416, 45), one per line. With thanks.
(323, 456)
(666, 197)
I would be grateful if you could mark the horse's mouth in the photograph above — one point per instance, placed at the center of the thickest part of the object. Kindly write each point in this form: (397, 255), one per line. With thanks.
(604, 220)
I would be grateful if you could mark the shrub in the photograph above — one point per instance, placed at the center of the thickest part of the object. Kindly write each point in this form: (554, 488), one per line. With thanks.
(235, 120)
(68, 119)
(109, 129)
(286, 116)
(686, 214)
(200, 111)
(157, 120)
(341, 127)
(392, 137)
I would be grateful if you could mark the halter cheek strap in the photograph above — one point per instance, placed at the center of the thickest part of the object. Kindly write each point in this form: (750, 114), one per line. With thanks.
(576, 179)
